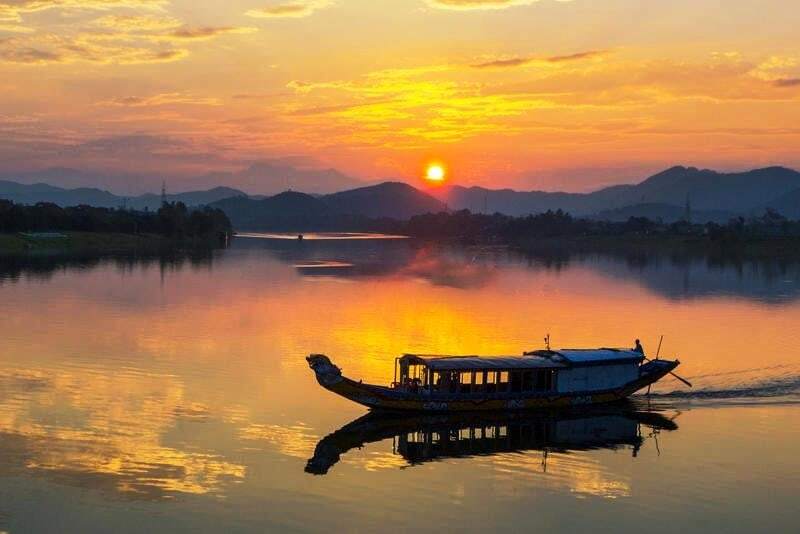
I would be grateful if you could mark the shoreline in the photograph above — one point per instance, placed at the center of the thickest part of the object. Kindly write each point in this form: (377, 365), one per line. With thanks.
(97, 242)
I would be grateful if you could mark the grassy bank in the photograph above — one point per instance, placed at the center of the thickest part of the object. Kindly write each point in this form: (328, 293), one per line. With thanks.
(82, 242)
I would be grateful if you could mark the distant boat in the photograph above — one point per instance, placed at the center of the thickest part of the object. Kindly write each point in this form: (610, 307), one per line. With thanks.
(535, 380)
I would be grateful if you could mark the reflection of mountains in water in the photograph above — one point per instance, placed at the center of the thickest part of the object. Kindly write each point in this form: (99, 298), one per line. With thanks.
(669, 275)
(425, 438)
(675, 276)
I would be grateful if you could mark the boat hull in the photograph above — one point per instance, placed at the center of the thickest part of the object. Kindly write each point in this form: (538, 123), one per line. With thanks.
(391, 399)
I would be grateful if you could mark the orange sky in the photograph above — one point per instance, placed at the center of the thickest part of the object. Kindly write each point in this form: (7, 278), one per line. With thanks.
(552, 94)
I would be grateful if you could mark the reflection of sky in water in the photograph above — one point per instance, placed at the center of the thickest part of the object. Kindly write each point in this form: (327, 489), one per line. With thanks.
(175, 393)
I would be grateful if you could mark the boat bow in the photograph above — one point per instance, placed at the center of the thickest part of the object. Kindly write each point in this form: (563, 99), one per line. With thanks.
(326, 372)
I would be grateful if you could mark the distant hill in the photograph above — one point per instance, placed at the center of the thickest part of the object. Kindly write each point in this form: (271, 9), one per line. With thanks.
(706, 190)
(33, 193)
(347, 209)
(713, 196)
(396, 200)
(787, 205)
(663, 212)
(265, 177)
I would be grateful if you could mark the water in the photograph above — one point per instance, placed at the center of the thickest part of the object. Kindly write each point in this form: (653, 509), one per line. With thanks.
(143, 394)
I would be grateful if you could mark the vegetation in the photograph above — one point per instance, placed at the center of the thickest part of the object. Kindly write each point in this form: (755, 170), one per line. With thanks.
(27, 226)
(768, 231)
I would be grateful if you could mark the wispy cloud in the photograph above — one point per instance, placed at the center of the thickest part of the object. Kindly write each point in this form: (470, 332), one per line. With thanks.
(205, 32)
(475, 5)
(787, 82)
(520, 61)
(161, 99)
(113, 39)
(578, 56)
(294, 9)
(14, 10)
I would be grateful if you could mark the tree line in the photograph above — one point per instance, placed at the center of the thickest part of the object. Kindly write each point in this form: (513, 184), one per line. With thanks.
(173, 220)
(464, 225)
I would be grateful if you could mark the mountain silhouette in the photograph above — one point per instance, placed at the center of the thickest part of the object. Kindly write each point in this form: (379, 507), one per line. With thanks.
(292, 210)
(33, 193)
(705, 191)
(396, 200)
(705, 194)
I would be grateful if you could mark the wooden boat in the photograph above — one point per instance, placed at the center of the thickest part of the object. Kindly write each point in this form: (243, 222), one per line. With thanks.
(420, 438)
(535, 380)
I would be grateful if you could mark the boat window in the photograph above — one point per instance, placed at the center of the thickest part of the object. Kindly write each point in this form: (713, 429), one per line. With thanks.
(479, 378)
(527, 380)
(516, 381)
(502, 381)
(466, 382)
(491, 381)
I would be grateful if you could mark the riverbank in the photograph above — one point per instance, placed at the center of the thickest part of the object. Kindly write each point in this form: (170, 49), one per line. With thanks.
(105, 242)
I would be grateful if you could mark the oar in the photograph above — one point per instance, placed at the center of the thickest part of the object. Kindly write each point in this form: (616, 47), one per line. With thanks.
(673, 374)
(681, 379)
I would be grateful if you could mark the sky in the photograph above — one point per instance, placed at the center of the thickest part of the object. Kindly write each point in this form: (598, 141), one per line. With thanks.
(531, 94)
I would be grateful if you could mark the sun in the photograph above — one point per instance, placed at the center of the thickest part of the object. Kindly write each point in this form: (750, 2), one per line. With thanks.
(435, 173)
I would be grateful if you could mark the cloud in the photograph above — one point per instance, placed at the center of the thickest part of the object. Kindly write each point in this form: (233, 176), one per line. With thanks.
(11, 53)
(578, 56)
(503, 63)
(205, 32)
(520, 61)
(787, 82)
(136, 24)
(113, 39)
(475, 5)
(14, 10)
(297, 9)
(160, 100)
(775, 68)
(47, 49)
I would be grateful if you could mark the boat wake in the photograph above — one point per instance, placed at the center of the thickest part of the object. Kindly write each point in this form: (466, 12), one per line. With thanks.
(783, 389)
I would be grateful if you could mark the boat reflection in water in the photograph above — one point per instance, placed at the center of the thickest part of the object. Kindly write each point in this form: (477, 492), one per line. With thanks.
(424, 438)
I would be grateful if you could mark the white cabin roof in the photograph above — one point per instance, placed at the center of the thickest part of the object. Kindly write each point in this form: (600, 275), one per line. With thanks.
(540, 359)
(438, 362)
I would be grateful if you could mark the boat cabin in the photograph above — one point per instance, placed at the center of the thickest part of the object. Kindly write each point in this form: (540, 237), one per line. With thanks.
(543, 371)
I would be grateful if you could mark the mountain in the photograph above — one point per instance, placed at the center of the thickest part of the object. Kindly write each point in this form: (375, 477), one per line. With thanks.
(263, 177)
(190, 198)
(395, 200)
(273, 176)
(517, 203)
(33, 193)
(787, 205)
(706, 190)
(663, 212)
(343, 210)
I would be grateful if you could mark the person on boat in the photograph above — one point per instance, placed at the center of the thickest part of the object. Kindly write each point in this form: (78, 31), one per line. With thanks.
(638, 348)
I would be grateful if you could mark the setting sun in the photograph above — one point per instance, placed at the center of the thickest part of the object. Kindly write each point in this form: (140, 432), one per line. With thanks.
(435, 173)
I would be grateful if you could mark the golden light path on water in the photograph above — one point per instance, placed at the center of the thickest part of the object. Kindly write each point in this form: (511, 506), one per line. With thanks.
(155, 382)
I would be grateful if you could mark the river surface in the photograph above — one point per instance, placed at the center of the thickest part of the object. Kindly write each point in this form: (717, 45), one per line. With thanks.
(172, 394)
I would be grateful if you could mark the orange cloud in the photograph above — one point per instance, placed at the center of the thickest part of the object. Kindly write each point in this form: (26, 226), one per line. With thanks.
(298, 9)
(471, 5)
(161, 100)
(520, 61)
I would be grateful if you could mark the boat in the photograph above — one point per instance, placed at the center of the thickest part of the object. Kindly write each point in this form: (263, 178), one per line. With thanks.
(535, 380)
(420, 438)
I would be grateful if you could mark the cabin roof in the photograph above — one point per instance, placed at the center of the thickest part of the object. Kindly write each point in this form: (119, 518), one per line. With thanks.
(438, 362)
(540, 359)
(598, 356)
